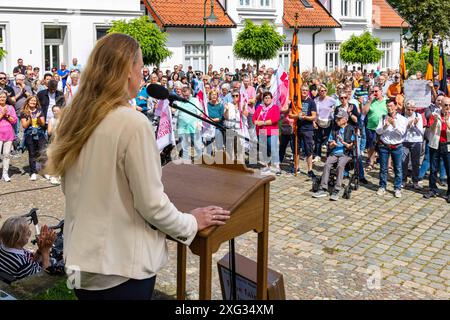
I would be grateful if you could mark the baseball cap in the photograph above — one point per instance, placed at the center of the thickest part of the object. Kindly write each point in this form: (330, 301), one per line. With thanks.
(436, 83)
(342, 114)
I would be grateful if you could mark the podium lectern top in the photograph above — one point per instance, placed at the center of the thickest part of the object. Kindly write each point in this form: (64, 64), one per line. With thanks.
(193, 186)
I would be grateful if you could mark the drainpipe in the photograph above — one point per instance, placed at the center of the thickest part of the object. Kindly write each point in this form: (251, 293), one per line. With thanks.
(314, 47)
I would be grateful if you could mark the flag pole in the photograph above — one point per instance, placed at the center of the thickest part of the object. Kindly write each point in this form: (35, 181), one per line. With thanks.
(296, 93)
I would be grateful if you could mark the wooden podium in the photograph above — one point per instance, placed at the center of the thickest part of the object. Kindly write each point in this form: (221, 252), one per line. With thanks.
(232, 187)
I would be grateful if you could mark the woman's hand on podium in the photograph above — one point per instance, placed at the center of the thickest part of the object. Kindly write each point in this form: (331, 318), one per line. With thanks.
(210, 216)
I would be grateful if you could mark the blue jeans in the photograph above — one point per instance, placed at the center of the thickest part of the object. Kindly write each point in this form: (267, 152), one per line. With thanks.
(361, 148)
(396, 155)
(270, 151)
(441, 154)
(426, 165)
(188, 140)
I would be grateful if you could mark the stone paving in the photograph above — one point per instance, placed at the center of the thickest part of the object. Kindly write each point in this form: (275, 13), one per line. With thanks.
(367, 247)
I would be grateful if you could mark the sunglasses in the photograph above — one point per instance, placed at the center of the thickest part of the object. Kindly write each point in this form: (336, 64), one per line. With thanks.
(235, 95)
(322, 90)
(447, 105)
(2, 78)
(342, 98)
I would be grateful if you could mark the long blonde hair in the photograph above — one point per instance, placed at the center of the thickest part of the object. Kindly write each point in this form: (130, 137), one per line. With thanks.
(26, 107)
(103, 88)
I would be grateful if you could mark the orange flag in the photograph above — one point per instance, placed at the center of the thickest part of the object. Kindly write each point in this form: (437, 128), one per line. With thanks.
(402, 66)
(295, 80)
(430, 67)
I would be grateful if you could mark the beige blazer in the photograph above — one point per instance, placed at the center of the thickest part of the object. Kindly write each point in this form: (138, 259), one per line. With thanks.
(113, 195)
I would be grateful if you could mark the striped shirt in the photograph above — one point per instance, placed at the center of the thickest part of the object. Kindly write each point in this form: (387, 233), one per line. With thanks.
(18, 263)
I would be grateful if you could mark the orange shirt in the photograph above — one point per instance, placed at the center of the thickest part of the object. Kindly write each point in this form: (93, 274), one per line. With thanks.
(394, 89)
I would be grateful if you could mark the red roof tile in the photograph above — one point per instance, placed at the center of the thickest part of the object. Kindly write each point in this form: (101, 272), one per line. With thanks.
(316, 16)
(384, 16)
(187, 13)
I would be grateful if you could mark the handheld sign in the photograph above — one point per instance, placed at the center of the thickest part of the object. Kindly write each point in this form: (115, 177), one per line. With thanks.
(419, 91)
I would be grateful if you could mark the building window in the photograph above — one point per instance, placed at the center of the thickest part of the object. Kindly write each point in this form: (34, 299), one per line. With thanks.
(284, 56)
(265, 3)
(386, 47)
(54, 46)
(359, 8)
(144, 9)
(2, 46)
(332, 60)
(101, 31)
(344, 8)
(306, 3)
(244, 3)
(194, 55)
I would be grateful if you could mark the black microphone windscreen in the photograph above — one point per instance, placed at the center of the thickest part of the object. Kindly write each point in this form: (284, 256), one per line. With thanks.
(157, 91)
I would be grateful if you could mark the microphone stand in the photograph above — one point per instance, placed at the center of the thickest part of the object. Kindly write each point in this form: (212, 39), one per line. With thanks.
(232, 254)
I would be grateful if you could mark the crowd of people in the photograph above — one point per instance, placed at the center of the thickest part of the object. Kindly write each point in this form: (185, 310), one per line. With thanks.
(29, 109)
(347, 116)
(365, 118)
(387, 130)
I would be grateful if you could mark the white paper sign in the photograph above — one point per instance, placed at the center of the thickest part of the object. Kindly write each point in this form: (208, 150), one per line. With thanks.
(419, 91)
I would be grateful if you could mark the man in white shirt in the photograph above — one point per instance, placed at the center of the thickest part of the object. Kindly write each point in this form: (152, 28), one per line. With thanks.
(412, 145)
(391, 130)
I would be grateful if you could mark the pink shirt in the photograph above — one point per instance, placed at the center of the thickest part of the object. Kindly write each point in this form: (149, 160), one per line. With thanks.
(272, 114)
(251, 92)
(6, 126)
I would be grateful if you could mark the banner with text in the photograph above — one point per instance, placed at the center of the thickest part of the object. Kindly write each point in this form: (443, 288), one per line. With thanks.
(419, 91)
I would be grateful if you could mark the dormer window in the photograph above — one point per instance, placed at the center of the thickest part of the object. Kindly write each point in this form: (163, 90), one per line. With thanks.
(306, 3)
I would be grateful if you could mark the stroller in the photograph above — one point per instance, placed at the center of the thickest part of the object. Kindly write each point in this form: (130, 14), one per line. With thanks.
(352, 167)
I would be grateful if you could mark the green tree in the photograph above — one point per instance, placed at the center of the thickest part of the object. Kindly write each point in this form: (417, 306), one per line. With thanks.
(423, 17)
(150, 38)
(361, 49)
(2, 53)
(418, 61)
(258, 43)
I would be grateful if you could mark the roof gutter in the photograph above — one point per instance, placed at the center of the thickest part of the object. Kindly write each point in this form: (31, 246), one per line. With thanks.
(314, 47)
(150, 8)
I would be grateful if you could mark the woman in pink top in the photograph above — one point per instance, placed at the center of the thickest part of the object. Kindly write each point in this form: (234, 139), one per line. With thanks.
(266, 119)
(8, 119)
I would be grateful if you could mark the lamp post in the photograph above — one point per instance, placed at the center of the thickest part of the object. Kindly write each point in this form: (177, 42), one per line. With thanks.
(212, 19)
(407, 35)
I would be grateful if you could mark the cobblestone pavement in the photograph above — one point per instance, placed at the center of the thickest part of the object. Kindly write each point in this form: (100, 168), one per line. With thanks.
(324, 249)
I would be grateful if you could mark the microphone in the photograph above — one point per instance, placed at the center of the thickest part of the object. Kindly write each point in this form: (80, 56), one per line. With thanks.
(161, 93)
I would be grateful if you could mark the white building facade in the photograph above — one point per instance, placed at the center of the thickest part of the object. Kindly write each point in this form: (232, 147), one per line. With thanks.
(47, 32)
(324, 25)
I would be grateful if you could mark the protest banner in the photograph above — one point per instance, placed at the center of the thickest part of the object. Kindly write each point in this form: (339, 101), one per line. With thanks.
(419, 91)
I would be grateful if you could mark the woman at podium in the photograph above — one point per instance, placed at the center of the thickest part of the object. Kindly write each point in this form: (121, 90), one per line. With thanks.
(117, 215)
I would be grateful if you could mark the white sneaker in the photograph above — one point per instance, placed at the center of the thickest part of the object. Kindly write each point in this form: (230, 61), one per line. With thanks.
(398, 193)
(33, 177)
(381, 191)
(266, 171)
(6, 178)
(47, 176)
(54, 181)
